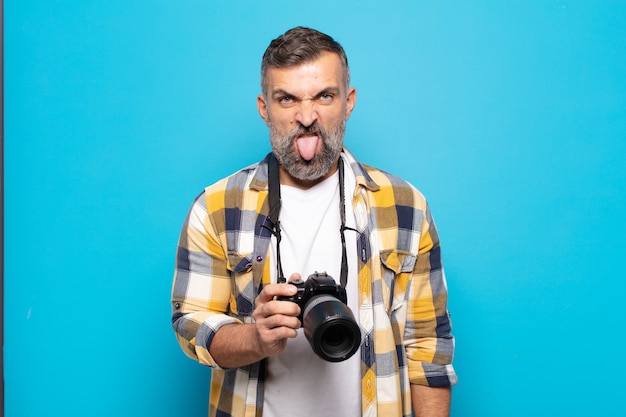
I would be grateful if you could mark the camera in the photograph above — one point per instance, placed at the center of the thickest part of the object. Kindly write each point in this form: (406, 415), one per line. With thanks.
(328, 323)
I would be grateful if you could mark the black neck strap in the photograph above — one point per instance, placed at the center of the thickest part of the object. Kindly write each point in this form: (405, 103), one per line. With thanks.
(275, 204)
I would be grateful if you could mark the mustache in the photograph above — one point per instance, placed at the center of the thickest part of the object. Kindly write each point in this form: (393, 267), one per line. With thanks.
(314, 128)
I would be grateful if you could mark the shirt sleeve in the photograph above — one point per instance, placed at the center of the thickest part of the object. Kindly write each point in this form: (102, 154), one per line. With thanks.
(202, 285)
(428, 339)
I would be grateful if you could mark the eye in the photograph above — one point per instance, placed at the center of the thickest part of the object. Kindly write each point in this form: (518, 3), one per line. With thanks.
(326, 97)
(285, 100)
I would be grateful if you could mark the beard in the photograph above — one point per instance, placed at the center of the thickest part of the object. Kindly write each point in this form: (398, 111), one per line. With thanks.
(283, 147)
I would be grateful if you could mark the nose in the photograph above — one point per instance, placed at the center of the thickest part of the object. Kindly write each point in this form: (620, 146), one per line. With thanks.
(306, 113)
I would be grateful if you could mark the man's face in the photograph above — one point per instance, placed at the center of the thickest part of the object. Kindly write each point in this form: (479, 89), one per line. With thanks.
(306, 108)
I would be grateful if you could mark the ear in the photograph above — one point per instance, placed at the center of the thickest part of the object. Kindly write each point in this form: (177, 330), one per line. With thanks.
(261, 106)
(350, 101)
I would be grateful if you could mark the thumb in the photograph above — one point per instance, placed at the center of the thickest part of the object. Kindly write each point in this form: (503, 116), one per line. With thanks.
(295, 277)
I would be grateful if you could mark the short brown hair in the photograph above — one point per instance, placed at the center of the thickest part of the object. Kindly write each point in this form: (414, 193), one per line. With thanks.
(298, 46)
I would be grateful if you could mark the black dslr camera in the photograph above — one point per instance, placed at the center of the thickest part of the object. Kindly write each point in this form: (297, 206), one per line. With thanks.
(328, 323)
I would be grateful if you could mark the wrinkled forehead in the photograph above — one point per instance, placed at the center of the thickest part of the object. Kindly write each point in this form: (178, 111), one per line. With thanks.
(324, 71)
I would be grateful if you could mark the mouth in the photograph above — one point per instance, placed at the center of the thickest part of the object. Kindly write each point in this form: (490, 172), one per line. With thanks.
(308, 145)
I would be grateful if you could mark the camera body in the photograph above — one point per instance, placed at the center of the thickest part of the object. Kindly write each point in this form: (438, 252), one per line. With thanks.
(316, 284)
(328, 323)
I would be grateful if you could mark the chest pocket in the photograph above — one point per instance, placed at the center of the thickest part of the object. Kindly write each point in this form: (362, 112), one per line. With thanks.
(397, 267)
(243, 292)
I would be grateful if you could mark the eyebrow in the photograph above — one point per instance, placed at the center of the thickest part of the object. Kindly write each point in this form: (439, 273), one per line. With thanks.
(280, 92)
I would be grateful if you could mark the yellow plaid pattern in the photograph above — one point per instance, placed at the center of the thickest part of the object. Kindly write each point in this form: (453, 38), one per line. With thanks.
(221, 267)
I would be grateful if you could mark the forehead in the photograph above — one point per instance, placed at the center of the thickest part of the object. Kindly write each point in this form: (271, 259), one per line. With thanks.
(323, 72)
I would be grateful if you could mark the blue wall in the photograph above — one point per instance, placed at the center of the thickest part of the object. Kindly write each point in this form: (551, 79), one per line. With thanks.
(509, 116)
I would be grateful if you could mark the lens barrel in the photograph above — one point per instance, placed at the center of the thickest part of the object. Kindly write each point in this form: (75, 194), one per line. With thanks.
(330, 328)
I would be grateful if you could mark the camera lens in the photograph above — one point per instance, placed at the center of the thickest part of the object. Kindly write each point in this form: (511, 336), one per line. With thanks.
(330, 328)
(334, 337)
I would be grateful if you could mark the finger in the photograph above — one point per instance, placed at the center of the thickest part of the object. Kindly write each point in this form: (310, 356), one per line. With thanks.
(276, 290)
(273, 332)
(276, 307)
(270, 335)
(280, 320)
(274, 341)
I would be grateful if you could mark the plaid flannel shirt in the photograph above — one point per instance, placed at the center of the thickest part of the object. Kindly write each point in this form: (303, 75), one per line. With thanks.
(403, 315)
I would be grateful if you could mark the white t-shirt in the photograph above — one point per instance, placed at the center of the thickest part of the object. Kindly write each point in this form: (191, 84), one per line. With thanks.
(298, 382)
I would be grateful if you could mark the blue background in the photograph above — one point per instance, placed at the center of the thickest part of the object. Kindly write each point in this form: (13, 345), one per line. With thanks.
(509, 116)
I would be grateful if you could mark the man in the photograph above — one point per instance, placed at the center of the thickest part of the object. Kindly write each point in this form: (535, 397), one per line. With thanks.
(372, 232)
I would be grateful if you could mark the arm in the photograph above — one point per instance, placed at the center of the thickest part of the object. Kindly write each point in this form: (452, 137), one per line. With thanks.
(201, 295)
(236, 345)
(201, 288)
(430, 402)
(428, 340)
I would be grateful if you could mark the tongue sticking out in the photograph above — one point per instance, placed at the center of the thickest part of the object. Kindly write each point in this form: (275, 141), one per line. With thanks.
(307, 146)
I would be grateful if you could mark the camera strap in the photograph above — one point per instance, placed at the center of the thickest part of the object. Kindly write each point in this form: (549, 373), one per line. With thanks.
(274, 197)
(275, 204)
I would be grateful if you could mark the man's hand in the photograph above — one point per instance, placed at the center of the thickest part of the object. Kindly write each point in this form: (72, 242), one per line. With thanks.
(276, 321)
(236, 345)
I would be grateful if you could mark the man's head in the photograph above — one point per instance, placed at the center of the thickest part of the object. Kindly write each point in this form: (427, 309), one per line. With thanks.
(306, 102)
